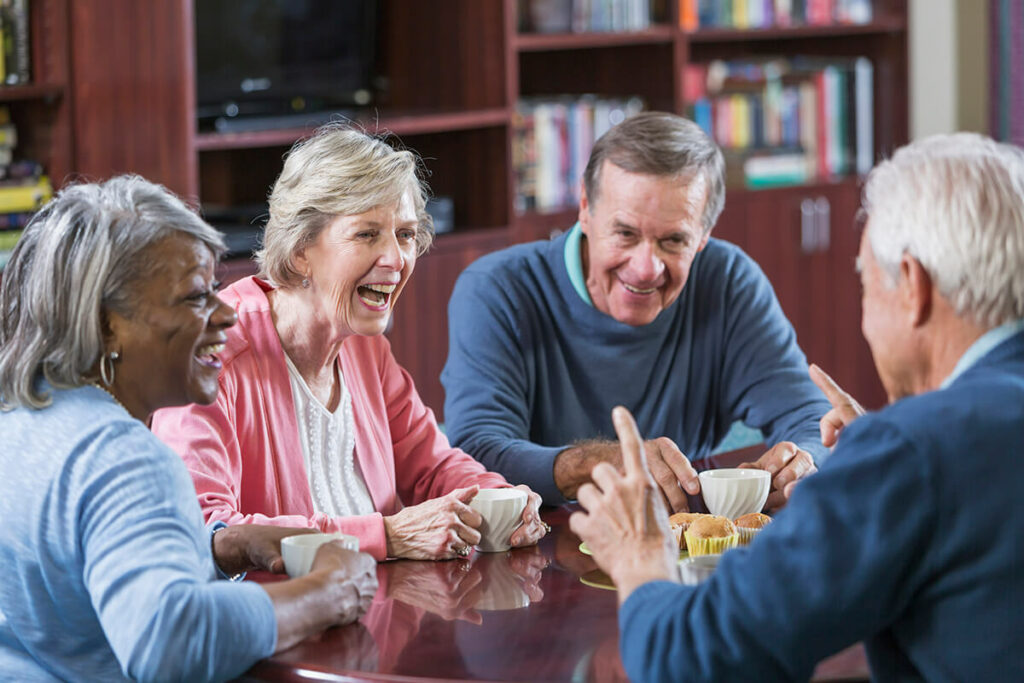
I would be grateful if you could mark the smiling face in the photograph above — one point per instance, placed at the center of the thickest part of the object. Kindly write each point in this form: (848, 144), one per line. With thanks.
(359, 265)
(168, 345)
(643, 233)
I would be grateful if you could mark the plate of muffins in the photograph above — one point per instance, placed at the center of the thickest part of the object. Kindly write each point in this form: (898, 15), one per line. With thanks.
(698, 533)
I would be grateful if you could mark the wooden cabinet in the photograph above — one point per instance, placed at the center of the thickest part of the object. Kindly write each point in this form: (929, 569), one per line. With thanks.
(455, 71)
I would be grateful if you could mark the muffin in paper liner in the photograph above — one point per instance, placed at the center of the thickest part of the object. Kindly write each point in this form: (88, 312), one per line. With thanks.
(680, 522)
(709, 546)
(750, 525)
(746, 536)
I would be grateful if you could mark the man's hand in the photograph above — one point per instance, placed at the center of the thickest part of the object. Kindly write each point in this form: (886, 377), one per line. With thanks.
(251, 547)
(670, 469)
(787, 464)
(845, 409)
(624, 522)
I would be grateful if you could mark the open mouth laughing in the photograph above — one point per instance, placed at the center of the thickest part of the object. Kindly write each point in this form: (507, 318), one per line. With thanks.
(207, 355)
(376, 296)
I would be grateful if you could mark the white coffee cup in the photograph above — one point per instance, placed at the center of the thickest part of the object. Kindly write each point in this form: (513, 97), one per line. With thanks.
(299, 551)
(502, 510)
(735, 492)
(693, 570)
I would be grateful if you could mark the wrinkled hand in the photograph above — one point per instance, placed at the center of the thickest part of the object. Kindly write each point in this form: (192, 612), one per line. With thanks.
(251, 547)
(625, 523)
(529, 564)
(447, 589)
(436, 529)
(352, 580)
(845, 409)
(532, 529)
(670, 470)
(787, 464)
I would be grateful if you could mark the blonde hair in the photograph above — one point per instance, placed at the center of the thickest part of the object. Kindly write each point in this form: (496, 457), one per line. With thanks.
(339, 171)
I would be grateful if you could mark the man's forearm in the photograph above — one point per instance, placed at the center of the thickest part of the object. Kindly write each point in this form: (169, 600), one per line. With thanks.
(573, 465)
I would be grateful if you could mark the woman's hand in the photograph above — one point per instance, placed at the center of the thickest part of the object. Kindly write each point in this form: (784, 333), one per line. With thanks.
(251, 547)
(532, 529)
(439, 529)
(338, 590)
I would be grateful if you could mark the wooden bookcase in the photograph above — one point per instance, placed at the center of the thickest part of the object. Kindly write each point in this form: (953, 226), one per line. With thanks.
(456, 70)
(41, 109)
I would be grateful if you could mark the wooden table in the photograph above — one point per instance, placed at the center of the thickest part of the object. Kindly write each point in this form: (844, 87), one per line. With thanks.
(524, 615)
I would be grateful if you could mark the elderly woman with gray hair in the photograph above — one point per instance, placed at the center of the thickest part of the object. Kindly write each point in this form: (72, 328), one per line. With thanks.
(316, 424)
(110, 313)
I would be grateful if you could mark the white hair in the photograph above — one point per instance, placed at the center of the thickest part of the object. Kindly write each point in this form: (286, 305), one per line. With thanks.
(955, 203)
(83, 253)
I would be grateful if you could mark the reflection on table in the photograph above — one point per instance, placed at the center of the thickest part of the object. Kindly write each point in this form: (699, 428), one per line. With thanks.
(519, 615)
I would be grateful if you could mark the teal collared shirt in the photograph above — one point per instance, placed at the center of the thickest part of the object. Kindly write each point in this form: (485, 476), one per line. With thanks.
(981, 346)
(574, 262)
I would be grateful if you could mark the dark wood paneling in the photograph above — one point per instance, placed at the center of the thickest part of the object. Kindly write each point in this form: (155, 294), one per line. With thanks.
(133, 86)
(419, 333)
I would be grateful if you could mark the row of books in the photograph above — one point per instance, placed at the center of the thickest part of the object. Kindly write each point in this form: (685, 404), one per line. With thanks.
(552, 142)
(746, 14)
(15, 60)
(787, 120)
(581, 16)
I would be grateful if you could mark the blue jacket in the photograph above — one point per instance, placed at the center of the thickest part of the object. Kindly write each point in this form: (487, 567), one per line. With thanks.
(911, 538)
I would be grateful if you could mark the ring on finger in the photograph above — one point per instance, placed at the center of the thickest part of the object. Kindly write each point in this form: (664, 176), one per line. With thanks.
(461, 550)
(547, 527)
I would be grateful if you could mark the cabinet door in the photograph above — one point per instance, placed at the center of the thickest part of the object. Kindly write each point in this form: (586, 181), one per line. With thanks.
(806, 243)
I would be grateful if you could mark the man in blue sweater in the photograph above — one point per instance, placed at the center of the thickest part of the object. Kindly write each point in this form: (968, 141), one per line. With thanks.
(910, 536)
(634, 305)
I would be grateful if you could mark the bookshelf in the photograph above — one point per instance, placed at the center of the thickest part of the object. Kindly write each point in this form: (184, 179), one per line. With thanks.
(456, 71)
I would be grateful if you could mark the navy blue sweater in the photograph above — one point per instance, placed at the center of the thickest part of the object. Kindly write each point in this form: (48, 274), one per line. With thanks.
(911, 538)
(532, 368)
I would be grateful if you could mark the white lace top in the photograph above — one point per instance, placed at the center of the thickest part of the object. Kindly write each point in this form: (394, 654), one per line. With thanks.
(328, 449)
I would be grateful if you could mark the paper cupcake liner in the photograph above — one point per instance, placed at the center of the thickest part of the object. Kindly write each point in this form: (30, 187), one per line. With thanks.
(709, 546)
(677, 531)
(747, 535)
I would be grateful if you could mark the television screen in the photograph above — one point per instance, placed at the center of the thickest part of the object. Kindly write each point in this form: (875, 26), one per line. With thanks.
(274, 57)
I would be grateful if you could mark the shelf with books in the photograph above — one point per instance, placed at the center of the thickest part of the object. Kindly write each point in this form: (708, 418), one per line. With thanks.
(527, 42)
(397, 122)
(732, 35)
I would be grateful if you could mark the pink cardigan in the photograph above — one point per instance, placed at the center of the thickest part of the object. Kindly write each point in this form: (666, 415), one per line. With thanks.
(244, 453)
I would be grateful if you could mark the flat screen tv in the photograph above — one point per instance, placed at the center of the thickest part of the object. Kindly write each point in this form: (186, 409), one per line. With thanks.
(267, 60)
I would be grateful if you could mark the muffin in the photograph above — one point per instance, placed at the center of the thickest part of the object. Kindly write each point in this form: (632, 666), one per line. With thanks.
(710, 535)
(679, 523)
(750, 525)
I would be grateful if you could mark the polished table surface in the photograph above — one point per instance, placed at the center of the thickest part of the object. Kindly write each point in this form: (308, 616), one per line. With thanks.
(522, 615)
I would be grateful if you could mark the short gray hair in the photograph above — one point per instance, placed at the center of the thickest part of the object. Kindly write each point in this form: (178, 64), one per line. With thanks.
(661, 144)
(955, 203)
(339, 171)
(82, 254)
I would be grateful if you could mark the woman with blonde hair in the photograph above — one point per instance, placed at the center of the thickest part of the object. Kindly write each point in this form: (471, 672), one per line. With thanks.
(316, 424)
(110, 313)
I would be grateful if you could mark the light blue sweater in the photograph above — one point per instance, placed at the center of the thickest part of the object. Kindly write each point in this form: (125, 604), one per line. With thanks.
(107, 567)
(532, 367)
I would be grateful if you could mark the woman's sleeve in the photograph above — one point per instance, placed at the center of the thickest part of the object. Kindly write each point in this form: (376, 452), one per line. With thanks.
(426, 465)
(206, 439)
(147, 567)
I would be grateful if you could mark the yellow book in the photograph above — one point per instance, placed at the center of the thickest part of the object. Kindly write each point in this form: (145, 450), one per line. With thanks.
(740, 122)
(25, 197)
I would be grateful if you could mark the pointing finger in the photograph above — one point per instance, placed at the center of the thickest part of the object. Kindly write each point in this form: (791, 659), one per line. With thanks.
(833, 392)
(632, 446)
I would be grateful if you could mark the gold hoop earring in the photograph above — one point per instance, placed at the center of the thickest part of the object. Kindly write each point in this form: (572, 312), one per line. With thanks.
(107, 367)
